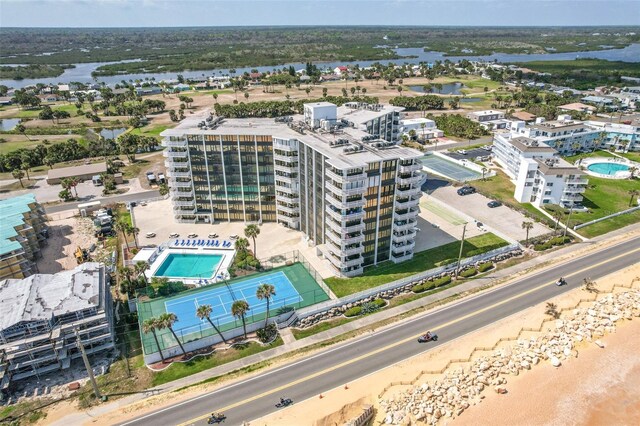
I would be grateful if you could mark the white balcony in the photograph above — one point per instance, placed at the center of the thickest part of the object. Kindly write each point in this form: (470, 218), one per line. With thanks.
(413, 180)
(408, 192)
(286, 179)
(172, 162)
(182, 143)
(571, 197)
(577, 181)
(181, 193)
(406, 226)
(406, 246)
(174, 154)
(334, 214)
(174, 174)
(410, 169)
(184, 203)
(402, 205)
(285, 169)
(342, 217)
(184, 210)
(342, 178)
(573, 189)
(179, 184)
(286, 189)
(285, 158)
(352, 250)
(397, 238)
(353, 228)
(287, 197)
(397, 258)
(352, 272)
(288, 209)
(410, 214)
(280, 147)
(335, 226)
(353, 262)
(359, 238)
(334, 236)
(344, 191)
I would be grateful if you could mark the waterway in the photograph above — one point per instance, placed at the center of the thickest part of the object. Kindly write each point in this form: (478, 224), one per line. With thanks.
(7, 124)
(82, 72)
(447, 89)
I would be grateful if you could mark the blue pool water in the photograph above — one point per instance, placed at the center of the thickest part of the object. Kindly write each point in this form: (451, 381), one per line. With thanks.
(607, 168)
(188, 265)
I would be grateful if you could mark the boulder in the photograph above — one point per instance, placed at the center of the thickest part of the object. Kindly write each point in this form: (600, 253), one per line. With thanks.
(555, 361)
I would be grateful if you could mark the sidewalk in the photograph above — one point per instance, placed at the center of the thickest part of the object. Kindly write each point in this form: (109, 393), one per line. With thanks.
(498, 277)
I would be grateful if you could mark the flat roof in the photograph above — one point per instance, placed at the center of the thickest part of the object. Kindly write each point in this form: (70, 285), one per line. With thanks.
(85, 169)
(558, 166)
(525, 144)
(576, 106)
(12, 212)
(43, 296)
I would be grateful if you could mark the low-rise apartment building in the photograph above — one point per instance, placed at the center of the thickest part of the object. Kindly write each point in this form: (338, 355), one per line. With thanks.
(23, 230)
(422, 128)
(336, 174)
(489, 119)
(43, 316)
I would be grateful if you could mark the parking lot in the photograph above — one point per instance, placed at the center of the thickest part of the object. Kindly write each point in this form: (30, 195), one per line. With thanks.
(502, 219)
(470, 155)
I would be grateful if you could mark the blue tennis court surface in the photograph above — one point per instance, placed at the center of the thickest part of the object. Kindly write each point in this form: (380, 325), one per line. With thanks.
(222, 297)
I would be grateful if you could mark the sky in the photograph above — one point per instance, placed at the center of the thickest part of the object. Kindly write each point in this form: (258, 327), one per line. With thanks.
(172, 13)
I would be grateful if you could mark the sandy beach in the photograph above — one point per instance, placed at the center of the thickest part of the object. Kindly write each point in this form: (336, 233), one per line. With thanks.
(601, 386)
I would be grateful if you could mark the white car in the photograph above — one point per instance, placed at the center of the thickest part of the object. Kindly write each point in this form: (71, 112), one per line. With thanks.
(462, 151)
(174, 235)
(192, 235)
(150, 234)
(234, 237)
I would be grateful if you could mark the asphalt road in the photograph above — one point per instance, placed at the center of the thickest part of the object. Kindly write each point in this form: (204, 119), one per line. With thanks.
(139, 196)
(255, 397)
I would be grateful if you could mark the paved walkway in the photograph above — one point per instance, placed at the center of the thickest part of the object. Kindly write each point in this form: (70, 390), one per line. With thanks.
(497, 277)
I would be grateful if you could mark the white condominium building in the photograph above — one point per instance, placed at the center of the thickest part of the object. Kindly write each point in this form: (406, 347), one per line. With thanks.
(336, 174)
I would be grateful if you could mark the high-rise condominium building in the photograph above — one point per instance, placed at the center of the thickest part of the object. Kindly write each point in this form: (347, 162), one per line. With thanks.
(334, 173)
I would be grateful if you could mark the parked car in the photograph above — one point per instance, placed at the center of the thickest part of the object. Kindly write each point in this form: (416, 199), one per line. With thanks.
(150, 234)
(485, 158)
(234, 237)
(213, 235)
(466, 190)
(462, 151)
(174, 235)
(493, 204)
(192, 235)
(487, 147)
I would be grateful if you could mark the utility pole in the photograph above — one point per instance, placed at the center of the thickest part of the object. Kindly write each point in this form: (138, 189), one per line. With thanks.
(464, 230)
(566, 225)
(96, 391)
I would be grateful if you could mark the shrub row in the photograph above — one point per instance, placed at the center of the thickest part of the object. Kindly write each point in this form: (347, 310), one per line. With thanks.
(556, 241)
(485, 266)
(429, 285)
(468, 273)
(365, 308)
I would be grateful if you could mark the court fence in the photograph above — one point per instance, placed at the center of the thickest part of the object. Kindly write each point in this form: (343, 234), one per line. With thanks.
(289, 258)
(329, 304)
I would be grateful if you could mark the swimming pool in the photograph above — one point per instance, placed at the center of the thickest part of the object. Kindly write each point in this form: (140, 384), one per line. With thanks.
(607, 168)
(189, 265)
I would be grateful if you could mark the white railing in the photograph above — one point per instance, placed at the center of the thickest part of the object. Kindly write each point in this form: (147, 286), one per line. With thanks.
(179, 184)
(325, 306)
(174, 174)
(401, 205)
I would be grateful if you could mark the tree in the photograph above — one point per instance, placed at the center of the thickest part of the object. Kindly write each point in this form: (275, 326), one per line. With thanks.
(215, 98)
(167, 320)
(551, 309)
(132, 230)
(241, 244)
(163, 189)
(265, 292)
(632, 172)
(634, 193)
(151, 326)
(18, 174)
(204, 312)
(21, 129)
(252, 231)
(139, 269)
(484, 172)
(239, 310)
(527, 226)
(121, 226)
(557, 215)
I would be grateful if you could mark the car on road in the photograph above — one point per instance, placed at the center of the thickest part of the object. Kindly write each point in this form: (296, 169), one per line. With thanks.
(462, 151)
(487, 147)
(466, 190)
(493, 204)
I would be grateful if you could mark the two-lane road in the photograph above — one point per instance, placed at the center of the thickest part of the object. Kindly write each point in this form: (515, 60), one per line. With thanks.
(255, 397)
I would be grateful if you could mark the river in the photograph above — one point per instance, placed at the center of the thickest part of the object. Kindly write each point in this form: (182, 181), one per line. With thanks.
(82, 72)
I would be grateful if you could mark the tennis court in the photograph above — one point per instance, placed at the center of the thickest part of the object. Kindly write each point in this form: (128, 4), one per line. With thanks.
(295, 288)
(448, 169)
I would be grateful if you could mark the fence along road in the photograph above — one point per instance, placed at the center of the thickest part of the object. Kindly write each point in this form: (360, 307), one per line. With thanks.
(255, 397)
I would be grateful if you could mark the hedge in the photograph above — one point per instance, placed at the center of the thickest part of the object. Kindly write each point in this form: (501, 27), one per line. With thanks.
(485, 266)
(380, 302)
(352, 312)
(468, 273)
(442, 281)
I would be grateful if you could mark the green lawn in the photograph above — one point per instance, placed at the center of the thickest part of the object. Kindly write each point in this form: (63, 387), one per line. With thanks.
(178, 370)
(633, 156)
(150, 131)
(422, 261)
(319, 328)
(573, 158)
(604, 197)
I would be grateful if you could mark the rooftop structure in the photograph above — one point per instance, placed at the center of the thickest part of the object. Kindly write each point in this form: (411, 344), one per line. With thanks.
(41, 315)
(334, 173)
(83, 172)
(22, 231)
(577, 106)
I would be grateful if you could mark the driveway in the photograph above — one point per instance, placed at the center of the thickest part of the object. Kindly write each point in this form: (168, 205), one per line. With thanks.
(502, 219)
(470, 155)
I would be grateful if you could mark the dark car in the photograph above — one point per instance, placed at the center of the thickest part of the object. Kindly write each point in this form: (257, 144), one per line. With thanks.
(466, 190)
(494, 203)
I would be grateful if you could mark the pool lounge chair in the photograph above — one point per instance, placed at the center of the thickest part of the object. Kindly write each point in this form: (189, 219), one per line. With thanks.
(226, 244)
(215, 243)
(183, 242)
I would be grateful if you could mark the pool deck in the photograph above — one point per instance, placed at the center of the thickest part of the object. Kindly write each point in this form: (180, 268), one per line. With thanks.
(585, 163)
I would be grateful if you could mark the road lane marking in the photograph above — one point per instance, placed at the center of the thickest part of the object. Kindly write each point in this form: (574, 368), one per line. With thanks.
(401, 342)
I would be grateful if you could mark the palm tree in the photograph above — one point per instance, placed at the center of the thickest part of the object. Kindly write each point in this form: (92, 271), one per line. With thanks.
(151, 326)
(632, 171)
(204, 311)
(132, 230)
(21, 129)
(484, 172)
(241, 244)
(557, 215)
(122, 227)
(252, 231)
(265, 292)
(589, 285)
(139, 269)
(634, 193)
(239, 310)
(167, 320)
(527, 226)
(18, 174)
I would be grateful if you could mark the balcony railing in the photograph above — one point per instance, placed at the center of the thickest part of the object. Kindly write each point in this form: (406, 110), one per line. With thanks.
(344, 191)
(406, 215)
(577, 181)
(288, 209)
(180, 184)
(286, 179)
(345, 178)
(171, 162)
(183, 210)
(180, 193)
(403, 247)
(352, 262)
(175, 174)
(184, 203)
(404, 226)
(407, 204)
(410, 169)
(284, 168)
(174, 144)
(401, 238)
(174, 154)
(419, 179)
(397, 258)
(571, 197)
(408, 192)
(286, 158)
(569, 189)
